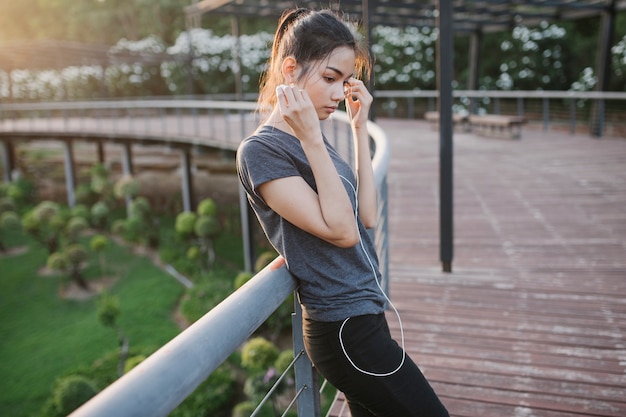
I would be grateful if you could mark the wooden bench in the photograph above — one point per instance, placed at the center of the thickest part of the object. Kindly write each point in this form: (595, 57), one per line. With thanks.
(497, 125)
(458, 119)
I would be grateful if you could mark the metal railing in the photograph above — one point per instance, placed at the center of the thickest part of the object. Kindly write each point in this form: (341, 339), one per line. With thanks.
(161, 382)
(179, 122)
(591, 112)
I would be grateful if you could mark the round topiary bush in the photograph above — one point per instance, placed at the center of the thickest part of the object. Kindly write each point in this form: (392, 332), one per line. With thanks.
(283, 361)
(258, 354)
(71, 392)
(207, 207)
(185, 223)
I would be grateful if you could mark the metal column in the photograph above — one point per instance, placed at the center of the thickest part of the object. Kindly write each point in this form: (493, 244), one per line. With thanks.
(444, 79)
(186, 178)
(70, 177)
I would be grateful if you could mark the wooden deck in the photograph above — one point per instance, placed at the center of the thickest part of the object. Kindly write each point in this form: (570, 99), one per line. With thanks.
(532, 320)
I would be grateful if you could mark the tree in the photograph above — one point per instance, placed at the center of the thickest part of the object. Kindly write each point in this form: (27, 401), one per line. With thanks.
(71, 392)
(45, 223)
(70, 262)
(108, 313)
(199, 231)
(9, 220)
(98, 244)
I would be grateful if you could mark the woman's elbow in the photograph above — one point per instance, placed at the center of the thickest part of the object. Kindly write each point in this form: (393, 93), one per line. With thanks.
(347, 240)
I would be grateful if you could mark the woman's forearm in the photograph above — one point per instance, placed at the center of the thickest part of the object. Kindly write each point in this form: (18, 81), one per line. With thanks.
(335, 206)
(367, 187)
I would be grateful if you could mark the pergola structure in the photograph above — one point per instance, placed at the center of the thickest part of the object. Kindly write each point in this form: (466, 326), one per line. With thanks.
(468, 17)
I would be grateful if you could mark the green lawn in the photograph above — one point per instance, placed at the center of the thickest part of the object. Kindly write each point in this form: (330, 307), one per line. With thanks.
(43, 335)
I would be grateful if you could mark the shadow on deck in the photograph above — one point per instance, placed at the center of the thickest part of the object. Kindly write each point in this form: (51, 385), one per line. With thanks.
(532, 320)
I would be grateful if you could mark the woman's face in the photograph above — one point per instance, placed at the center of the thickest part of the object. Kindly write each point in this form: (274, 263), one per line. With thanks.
(325, 83)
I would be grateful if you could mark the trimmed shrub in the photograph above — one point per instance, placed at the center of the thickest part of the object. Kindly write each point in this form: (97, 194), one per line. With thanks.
(258, 354)
(71, 392)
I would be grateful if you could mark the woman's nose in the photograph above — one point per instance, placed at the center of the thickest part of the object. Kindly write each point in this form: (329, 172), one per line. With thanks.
(338, 93)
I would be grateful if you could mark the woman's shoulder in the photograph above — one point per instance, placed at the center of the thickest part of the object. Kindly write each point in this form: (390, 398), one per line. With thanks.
(268, 138)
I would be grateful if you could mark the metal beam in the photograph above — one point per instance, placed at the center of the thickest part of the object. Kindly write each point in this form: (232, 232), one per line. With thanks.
(70, 172)
(445, 69)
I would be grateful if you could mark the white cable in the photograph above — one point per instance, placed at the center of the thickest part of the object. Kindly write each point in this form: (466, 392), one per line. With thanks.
(356, 209)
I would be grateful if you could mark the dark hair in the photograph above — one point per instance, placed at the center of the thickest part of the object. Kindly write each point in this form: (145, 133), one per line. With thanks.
(308, 36)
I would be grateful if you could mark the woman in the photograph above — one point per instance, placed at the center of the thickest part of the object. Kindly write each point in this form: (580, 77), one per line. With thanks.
(315, 213)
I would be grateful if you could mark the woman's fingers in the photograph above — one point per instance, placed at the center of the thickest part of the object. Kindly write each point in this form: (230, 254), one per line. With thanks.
(291, 94)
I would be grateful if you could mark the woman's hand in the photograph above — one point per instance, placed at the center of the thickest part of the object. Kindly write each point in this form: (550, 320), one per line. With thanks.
(358, 102)
(298, 112)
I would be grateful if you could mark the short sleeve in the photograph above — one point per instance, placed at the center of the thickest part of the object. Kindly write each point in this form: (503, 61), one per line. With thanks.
(259, 162)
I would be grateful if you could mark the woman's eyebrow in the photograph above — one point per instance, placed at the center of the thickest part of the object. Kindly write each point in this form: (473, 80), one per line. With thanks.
(339, 72)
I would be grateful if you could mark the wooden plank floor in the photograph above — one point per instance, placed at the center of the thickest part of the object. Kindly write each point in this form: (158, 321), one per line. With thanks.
(532, 320)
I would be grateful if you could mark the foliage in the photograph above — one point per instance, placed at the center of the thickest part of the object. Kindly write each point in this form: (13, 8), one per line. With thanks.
(9, 223)
(74, 227)
(71, 392)
(213, 398)
(198, 231)
(283, 361)
(33, 314)
(204, 296)
(108, 313)
(100, 215)
(45, 222)
(405, 58)
(185, 223)
(521, 70)
(69, 262)
(133, 361)
(98, 244)
(550, 56)
(242, 278)
(140, 226)
(108, 310)
(258, 354)
(245, 409)
(264, 259)
(126, 186)
(20, 192)
(213, 60)
(619, 63)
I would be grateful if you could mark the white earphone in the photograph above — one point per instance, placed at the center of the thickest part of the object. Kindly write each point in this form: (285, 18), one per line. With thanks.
(356, 209)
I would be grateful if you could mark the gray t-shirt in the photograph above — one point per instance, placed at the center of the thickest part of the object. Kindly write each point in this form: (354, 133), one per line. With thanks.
(335, 283)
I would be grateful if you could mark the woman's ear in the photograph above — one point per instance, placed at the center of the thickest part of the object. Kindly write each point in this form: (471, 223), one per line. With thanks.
(289, 69)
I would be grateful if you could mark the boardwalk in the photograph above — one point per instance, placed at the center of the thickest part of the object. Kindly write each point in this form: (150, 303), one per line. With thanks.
(532, 321)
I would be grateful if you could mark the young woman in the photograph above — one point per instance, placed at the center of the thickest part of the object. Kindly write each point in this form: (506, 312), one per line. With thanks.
(315, 212)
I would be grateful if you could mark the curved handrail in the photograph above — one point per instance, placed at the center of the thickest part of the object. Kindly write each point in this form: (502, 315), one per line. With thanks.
(160, 383)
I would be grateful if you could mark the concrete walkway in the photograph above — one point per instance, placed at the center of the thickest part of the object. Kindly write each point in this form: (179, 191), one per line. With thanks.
(532, 320)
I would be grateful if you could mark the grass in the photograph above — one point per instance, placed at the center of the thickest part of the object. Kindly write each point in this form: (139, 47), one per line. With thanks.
(43, 335)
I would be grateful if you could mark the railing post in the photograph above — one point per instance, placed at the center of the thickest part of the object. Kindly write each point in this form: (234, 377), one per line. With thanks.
(8, 160)
(572, 116)
(70, 177)
(186, 179)
(127, 169)
(306, 376)
(546, 114)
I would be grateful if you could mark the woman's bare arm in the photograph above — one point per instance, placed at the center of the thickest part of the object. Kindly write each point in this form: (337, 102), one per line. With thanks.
(327, 214)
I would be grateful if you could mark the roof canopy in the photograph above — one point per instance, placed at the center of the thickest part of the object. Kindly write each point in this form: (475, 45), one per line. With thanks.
(469, 15)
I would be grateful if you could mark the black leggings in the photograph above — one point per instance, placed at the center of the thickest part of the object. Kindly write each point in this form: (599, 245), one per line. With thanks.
(369, 346)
